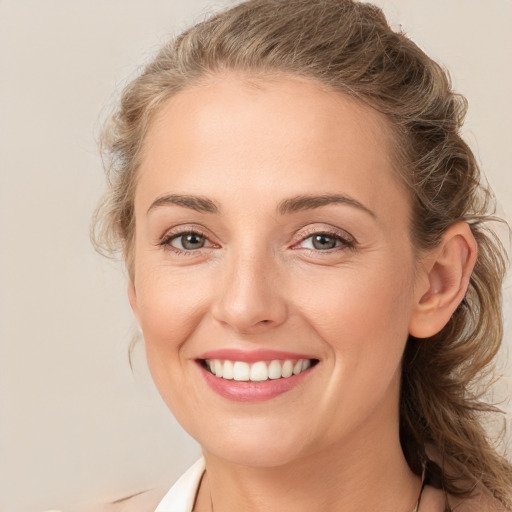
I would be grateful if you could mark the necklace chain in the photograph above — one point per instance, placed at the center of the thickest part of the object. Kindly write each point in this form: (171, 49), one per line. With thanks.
(416, 508)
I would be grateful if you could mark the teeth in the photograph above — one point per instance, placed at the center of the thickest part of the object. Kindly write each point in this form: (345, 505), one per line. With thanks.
(227, 371)
(274, 370)
(257, 372)
(218, 367)
(241, 371)
(287, 369)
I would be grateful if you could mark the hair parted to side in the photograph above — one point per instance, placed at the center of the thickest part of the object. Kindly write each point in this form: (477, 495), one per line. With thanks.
(349, 47)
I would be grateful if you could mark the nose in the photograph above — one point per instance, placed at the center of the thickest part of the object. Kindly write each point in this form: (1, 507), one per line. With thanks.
(250, 297)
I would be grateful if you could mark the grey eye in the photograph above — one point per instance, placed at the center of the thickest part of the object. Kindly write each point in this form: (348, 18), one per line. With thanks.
(189, 241)
(323, 242)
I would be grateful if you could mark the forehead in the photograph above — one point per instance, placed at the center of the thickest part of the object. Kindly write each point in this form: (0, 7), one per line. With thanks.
(258, 134)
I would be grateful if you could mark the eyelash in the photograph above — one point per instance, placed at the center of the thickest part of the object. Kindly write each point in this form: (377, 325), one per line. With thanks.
(346, 241)
(166, 241)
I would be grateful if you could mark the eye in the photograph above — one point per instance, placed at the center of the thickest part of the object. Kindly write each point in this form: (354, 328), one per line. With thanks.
(186, 241)
(321, 242)
(324, 241)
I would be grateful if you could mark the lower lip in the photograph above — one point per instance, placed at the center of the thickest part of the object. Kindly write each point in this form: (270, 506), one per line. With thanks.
(247, 391)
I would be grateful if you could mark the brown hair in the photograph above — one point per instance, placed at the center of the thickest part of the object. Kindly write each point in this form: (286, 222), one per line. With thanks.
(349, 47)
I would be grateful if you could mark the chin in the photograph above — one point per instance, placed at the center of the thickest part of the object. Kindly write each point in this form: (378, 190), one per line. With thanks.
(255, 456)
(246, 446)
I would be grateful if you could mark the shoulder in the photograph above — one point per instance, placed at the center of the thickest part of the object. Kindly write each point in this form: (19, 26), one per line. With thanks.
(142, 501)
(434, 500)
(480, 501)
(180, 497)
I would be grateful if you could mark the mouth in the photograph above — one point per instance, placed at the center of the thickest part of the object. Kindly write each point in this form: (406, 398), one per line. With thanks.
(257, 371)
(253, 376)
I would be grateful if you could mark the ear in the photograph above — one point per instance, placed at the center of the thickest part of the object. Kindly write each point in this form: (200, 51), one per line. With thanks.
(132, 297)
(448, 270)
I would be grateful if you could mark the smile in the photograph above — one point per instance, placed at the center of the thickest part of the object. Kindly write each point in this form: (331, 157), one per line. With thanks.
(253, 376)
(258, 371)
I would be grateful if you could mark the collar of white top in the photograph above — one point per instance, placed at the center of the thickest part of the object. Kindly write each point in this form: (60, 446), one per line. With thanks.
(182, 494)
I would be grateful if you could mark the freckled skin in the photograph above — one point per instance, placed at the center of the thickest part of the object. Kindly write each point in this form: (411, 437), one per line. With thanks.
(258, 283)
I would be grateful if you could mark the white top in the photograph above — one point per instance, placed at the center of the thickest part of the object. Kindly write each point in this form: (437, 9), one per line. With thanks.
(182, 494)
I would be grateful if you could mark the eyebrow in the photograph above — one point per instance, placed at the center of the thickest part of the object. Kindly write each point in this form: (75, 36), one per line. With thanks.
(307, 202)
(198, 203)
(290, 205)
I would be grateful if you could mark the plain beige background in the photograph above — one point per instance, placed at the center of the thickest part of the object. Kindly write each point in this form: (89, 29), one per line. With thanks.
(76, 425)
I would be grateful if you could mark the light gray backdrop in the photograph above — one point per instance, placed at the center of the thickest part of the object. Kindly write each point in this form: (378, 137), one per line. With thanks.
(76, 425)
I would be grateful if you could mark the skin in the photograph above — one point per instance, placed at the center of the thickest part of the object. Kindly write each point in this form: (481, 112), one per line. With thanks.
(258, 282)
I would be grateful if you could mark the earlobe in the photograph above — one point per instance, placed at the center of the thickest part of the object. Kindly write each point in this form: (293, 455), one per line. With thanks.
(449, 270)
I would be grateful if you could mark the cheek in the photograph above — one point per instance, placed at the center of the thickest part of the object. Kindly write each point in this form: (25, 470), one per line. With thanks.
(362, 319)
(170, 306)
(359, 311)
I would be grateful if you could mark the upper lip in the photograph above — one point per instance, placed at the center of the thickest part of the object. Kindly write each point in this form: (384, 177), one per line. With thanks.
(251, 356)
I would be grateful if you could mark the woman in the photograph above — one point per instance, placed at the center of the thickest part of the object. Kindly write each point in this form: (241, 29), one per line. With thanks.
(310, 264)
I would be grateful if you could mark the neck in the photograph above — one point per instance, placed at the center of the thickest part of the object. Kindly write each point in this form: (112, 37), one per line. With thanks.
(367, 473)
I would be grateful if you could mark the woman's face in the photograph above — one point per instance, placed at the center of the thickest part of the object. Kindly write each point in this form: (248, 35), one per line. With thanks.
(272, 235)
